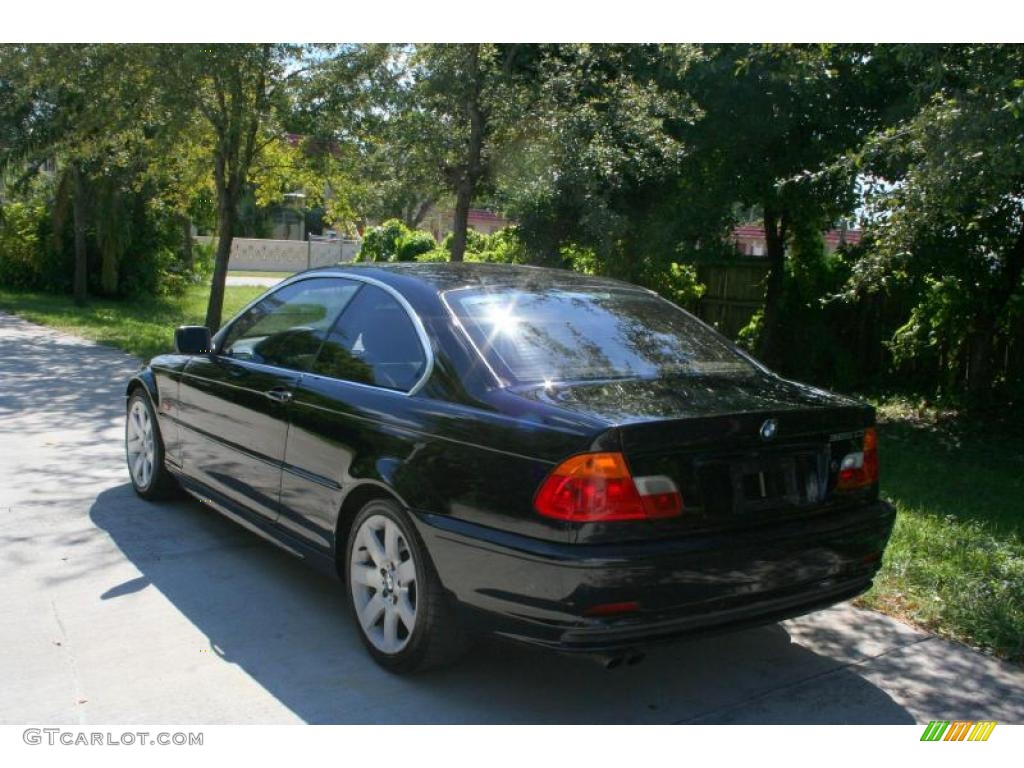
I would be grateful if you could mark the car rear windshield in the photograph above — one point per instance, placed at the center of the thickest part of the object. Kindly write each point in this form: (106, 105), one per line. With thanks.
(551, 335)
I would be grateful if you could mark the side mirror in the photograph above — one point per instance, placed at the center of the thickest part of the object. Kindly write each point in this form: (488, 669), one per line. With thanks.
(193, 340)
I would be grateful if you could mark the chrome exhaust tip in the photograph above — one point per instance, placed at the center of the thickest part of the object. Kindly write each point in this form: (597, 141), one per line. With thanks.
(608, 660)
(635, 657)
(614, 660)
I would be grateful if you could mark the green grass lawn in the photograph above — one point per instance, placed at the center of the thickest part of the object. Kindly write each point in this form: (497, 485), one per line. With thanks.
(144, 327)
(955, 564)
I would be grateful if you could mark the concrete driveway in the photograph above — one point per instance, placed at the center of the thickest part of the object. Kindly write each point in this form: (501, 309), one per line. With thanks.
(119, 611)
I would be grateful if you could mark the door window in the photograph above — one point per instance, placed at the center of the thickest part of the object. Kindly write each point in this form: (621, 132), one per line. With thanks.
(374, 342)
(287, 327)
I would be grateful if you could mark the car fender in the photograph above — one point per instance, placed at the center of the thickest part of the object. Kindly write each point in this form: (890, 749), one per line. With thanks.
(147, 380)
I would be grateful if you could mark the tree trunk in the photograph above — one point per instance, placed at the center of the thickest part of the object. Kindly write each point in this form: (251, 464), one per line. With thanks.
(980, 367)
(775, 250)
(460, 226)
(225, 236)
(186, 242)
(416, 212)
(78, 215)
(108, 271)
(472, 171)
(237, 126)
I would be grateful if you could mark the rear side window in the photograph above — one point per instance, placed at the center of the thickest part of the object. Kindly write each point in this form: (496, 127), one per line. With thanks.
(287, 327)
(373, 342)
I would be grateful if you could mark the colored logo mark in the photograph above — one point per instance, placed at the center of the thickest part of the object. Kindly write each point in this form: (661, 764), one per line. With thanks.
(958, 730)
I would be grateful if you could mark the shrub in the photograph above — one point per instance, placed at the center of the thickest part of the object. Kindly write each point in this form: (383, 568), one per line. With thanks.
(413, 244)
(203, 256)
(153, 272)
(28, 258)
(476, 243)
(825, 334)
(381, 242)
(151, 262)
(502, 247)
(20, 244)
(436, 255)
(678, 284)
(579, 259)
(675, 281)
(133, 243)
(749, 336)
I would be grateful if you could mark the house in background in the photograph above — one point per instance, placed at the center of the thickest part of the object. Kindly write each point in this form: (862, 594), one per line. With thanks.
(750, 240)
(286, 223)
(439, 222)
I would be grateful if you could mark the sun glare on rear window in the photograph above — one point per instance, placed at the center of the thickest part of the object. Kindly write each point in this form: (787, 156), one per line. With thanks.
(534, 336)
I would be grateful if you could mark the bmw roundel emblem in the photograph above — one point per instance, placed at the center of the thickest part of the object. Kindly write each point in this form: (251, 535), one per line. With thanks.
(768, 429)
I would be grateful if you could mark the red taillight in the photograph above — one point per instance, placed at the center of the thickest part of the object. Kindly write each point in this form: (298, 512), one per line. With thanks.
(597, 487)
(612, 609)
(659, 496)
(860, 469)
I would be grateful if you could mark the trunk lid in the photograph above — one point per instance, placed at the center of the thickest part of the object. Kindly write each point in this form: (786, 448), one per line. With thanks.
(742, 451)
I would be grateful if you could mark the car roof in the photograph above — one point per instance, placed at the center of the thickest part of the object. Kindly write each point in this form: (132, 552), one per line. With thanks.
(446, 276)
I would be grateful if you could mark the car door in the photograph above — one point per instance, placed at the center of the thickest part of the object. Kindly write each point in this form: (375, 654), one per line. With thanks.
(345, 408)
(234, 403)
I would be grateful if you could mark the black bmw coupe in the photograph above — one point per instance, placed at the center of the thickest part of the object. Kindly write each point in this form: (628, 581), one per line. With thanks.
(564, 460)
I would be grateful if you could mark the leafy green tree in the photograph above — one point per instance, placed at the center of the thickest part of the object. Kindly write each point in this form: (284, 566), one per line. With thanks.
(946, 213)
(473, 98)
(599, 176)
(239, 92)
(358, 104)
(84, 107)
(775, 120)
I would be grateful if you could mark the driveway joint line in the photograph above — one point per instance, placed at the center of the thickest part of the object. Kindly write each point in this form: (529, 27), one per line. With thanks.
(76, 680)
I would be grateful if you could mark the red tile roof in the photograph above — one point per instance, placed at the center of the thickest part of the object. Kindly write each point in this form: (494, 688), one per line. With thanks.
(756, 232)
(478, 214)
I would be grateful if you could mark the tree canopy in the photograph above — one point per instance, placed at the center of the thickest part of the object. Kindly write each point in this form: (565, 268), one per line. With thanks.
(635, 161)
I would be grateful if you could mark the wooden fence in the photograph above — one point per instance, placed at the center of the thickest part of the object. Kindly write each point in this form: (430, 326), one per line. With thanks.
(735, 291)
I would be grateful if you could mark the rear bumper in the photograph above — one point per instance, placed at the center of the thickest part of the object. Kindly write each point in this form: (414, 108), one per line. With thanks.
(539, 592)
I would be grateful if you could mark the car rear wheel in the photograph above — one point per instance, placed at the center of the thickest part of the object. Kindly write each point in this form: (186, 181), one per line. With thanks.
(144, 450)
(405, 619)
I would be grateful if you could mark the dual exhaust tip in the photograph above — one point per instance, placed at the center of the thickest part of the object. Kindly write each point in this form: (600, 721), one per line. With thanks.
(627, 658)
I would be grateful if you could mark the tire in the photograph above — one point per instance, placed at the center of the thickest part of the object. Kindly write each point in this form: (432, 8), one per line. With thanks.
(144, 450)
(435, 639)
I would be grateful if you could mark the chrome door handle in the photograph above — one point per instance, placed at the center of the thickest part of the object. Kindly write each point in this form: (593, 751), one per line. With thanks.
(279, 395)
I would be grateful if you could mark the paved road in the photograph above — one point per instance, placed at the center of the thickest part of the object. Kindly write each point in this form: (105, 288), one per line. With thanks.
(119, 611)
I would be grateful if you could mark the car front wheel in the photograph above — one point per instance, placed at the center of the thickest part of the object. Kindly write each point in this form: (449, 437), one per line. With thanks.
(144, 450)
(405, 619)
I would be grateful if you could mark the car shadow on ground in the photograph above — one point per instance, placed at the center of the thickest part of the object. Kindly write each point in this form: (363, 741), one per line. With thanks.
(289, 629)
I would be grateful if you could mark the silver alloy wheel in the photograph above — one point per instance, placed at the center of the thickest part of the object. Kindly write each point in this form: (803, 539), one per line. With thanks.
(140, 444)
(383, 582)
